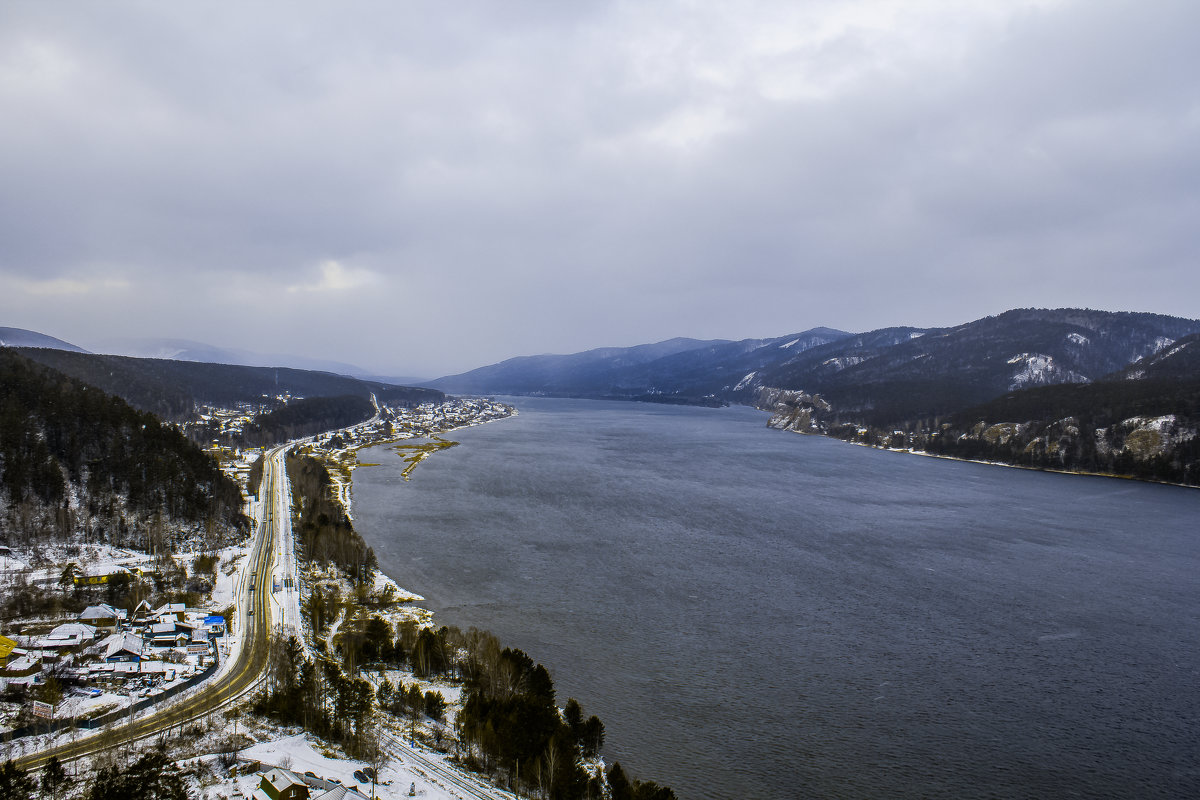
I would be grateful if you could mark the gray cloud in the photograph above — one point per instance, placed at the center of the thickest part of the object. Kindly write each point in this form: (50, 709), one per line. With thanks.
(423, 189)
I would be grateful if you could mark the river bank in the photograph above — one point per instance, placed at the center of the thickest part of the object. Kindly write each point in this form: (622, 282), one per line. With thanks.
(988, 463)
(756, 615)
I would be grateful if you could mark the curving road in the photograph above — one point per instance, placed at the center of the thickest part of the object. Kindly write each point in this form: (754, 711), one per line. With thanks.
(253, 615)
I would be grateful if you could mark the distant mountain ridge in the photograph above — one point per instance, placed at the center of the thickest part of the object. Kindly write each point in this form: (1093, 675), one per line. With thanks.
(188, 350)
(896, 374)
(680, 368)
(172, 389)
(1073, 389)
(19, 337)
(881, 376)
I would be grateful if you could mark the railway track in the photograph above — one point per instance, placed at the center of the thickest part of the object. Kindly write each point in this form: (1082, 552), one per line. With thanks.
(450, 779)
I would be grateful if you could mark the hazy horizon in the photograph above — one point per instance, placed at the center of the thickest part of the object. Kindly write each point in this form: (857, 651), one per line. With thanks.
(423, 190)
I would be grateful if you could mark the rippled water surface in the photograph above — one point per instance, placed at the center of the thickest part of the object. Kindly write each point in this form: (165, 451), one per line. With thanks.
(756, 614)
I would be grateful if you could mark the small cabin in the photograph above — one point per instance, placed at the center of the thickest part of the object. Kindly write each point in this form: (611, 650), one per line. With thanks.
(281, 784)
(124, 648)
(102, 616)
(67, 638)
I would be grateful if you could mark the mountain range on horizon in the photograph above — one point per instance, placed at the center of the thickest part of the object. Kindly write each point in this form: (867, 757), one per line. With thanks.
(201, 352)
(964, 364)
(1077, 389)
(880, 376)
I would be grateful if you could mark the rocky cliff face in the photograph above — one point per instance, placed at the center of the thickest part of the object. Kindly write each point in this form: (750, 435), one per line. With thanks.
(792, 410)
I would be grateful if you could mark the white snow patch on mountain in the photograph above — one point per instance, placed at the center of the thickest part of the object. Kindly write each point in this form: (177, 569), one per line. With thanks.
(1077, 338)
(1162, 342)
(789, 344)
(916, 334)
(840, 363)
(1175, 350)
(1039, 369)
(744, 382)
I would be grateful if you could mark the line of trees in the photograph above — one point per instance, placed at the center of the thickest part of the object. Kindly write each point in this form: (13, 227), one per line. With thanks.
(1066, 427)
(151, 777)
(317, 695)
(323, 530)
(509, 725)
(305, 417)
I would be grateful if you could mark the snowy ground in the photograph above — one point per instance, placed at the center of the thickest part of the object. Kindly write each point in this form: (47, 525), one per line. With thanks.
(427, 773)
(302, 754)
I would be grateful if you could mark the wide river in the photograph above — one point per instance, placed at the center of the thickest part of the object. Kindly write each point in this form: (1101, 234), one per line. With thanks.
(756, 614)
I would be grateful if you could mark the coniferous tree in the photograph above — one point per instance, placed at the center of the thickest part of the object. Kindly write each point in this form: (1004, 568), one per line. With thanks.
(152, 777)
(53, 777)
(15, 782)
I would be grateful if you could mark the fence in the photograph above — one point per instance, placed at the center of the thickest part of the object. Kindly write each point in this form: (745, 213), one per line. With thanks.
(53, 726)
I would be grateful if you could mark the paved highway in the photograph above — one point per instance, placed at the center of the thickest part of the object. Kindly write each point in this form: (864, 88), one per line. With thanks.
(285, 576)
(254, 616)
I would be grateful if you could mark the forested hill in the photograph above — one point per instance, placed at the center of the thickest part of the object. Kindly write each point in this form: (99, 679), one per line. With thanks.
(306, 417)
(879, 376)
(676, 370)
(895, 376)
(74, 458)
(172, 389)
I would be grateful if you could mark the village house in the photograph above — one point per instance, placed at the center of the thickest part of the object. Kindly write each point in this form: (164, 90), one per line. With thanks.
(103, 576)
(143, 612)
(67, 638)
(102, 616)
(21, 670)
(170, 632)
(123, 647)
(281, 784)
(176, 610)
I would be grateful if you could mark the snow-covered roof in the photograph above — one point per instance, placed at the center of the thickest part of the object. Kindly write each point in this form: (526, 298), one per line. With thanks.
(282, 779)
(22, 664)
(102, 611)
(68, 635)
(340, 793)
(74, 629)
(127, 642)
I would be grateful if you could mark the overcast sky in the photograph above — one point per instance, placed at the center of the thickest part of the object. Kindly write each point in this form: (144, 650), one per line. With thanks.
(424, 188)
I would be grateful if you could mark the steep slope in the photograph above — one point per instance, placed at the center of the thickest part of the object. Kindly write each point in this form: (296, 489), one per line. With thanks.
(938, 372)
(73, 457)
(1146, 428)
(1180, 360)
(171, 389)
